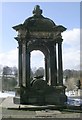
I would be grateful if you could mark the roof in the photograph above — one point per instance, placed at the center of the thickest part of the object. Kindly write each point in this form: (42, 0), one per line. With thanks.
(39, 23)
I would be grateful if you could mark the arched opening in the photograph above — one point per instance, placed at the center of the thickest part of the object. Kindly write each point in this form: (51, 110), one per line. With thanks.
(37, 63)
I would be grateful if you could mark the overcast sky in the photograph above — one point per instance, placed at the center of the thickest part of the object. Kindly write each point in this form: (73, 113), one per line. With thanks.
(66, 14)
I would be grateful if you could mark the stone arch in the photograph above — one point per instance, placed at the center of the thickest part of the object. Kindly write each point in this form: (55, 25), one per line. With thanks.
(44, 49)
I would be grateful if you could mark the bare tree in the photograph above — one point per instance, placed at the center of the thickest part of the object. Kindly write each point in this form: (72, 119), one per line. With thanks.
(7, 71)
(39, 72)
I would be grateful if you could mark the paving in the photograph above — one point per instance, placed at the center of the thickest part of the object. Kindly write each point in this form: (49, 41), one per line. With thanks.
(11, 110)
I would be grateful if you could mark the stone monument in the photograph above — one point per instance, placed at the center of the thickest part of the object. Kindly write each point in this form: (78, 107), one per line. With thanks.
(40, 33)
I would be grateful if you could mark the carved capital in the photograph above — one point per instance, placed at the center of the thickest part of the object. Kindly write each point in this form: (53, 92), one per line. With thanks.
(22, 33)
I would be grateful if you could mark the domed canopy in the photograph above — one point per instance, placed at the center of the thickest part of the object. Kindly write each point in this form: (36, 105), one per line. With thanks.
(38, 22)
(39, 26)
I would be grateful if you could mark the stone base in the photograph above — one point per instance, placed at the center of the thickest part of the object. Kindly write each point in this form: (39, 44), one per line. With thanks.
(53, 99)
(16, 100)
(40, 98)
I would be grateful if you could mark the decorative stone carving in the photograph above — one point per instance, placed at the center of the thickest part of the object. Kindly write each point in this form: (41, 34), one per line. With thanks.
(40, 33)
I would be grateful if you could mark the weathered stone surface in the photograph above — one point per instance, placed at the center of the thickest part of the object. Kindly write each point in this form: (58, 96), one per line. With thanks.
(40, 33)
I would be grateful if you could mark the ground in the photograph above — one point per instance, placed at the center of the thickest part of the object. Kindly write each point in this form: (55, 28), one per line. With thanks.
(11, 111)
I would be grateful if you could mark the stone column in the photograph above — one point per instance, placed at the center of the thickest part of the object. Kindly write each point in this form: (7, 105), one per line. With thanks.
(53, 65)
(55, 62)
(27, 67)
(20, 63)
(60, 68)
(46, 69)
(24, 63)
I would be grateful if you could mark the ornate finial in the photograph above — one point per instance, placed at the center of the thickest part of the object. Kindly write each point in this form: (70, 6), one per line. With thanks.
(37, 11)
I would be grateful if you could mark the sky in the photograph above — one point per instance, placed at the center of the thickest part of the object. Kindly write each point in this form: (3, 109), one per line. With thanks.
(62, 13)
